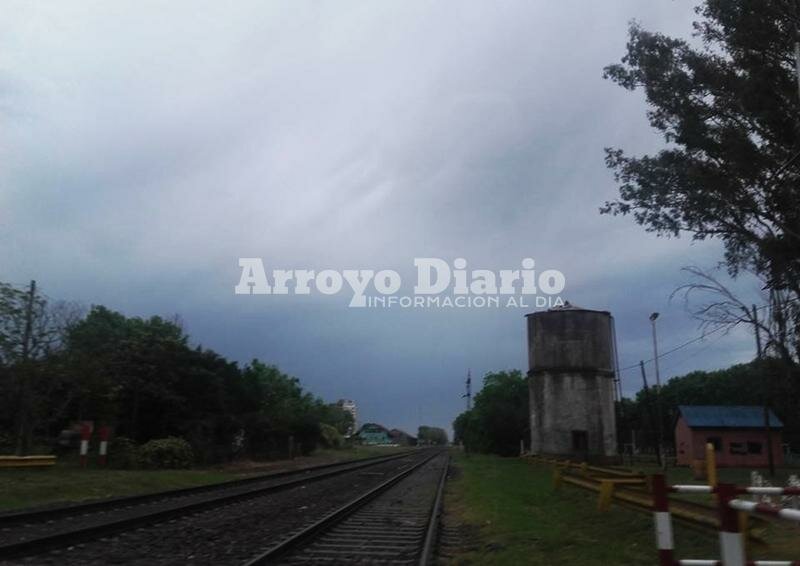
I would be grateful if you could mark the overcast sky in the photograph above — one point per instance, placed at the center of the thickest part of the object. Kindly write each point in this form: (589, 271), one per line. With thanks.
(145, 147)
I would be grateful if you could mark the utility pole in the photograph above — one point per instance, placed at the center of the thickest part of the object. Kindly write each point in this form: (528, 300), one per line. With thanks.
(468, 394)
(797, 60)
(617, 376)
(765, 377)
(26, 337)
(650, 410)
(24, 423)
(653, 318)
(663, 458)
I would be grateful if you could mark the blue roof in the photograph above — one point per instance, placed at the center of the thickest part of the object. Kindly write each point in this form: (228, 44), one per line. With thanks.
(732, 416)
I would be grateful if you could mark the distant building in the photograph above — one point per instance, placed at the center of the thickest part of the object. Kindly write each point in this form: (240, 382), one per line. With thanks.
(350, 406)
(402, 438)
(373, 433)
(737, 433)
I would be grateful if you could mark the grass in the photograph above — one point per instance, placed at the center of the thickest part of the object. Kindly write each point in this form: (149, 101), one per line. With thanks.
(66, 482)
(517, 518)
(358, 452)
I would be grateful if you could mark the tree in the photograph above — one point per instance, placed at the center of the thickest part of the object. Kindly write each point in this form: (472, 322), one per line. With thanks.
(142, 377)
(729, 112)
(335, 416)
(741, 384)
(499, 418)
(32, 333)
(717, 307)
(283, 412)
(431, 435)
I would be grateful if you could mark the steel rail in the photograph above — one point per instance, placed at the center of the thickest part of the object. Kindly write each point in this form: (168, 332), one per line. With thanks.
(428, 547)
(46, 513)
(70, 537)
(274, 553)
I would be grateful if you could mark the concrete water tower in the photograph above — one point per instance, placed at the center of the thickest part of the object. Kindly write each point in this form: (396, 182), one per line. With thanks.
(571, 383)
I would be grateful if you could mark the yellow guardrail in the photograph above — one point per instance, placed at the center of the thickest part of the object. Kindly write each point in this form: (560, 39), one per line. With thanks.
(606, 481)
(41, 461)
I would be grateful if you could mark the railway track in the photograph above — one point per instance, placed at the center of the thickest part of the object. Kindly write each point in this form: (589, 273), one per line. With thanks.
(234, 525)
(45, 529)
(50, 512)
(394, 523)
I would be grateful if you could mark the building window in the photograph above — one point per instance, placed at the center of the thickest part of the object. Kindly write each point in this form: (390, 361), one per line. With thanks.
(738, 448)
(716, 441)
(754, 448)
(580, 441)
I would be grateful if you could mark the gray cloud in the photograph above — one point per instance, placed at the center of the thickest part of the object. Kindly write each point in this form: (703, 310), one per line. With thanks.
(145, 147)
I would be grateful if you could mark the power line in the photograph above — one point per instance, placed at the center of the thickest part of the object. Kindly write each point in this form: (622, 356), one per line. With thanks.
(699, 351)
(676, 348)
(698, 338)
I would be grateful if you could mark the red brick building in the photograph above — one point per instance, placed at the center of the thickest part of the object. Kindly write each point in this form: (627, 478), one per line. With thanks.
(737, 433)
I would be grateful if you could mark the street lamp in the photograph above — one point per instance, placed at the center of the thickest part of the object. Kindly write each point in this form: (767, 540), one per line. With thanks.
(653, 318)
(662, 456)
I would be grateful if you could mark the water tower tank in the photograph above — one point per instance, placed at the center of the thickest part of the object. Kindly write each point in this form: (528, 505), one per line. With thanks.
(571, 382)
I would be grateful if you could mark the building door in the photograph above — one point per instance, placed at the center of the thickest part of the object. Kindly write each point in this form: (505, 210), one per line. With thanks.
(580, 441)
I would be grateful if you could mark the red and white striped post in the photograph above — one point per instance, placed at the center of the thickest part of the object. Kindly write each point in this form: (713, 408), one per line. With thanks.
(86, 434)
(731, 540)
(104, 434)
(663, 522)
(766, 509)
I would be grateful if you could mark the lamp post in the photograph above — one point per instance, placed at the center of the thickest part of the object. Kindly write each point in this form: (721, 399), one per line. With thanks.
(653, 318)
(662, 456)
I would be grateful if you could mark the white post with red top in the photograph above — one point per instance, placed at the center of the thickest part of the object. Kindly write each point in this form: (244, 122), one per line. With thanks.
(731, 540)
(663, 521)
(104, 434)
(86, 434)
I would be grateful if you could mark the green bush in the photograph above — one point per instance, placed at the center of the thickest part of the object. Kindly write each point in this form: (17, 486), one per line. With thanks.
(123, 453)
(171, 452)
(330, 436)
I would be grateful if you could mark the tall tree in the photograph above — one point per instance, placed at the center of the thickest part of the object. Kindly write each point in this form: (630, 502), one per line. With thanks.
(32, 331)
(728, 108)
(718, 307)
(499, 418)
(432, 435)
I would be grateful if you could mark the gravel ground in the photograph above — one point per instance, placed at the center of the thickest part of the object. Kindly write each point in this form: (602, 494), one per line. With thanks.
(389, 530)
(225, 535)
(31, 529)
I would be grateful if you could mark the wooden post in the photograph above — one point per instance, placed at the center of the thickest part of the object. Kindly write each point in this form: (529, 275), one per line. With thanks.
(606, 495)
(767, 424)
(557, 478)
(711, 467)
(24, 410)
(650, 411)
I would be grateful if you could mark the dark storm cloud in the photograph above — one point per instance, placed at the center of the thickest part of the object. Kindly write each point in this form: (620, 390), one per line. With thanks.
(147, 147)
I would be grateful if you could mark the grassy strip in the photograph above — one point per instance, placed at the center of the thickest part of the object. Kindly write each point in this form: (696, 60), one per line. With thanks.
(517, 518)
(66, 482)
